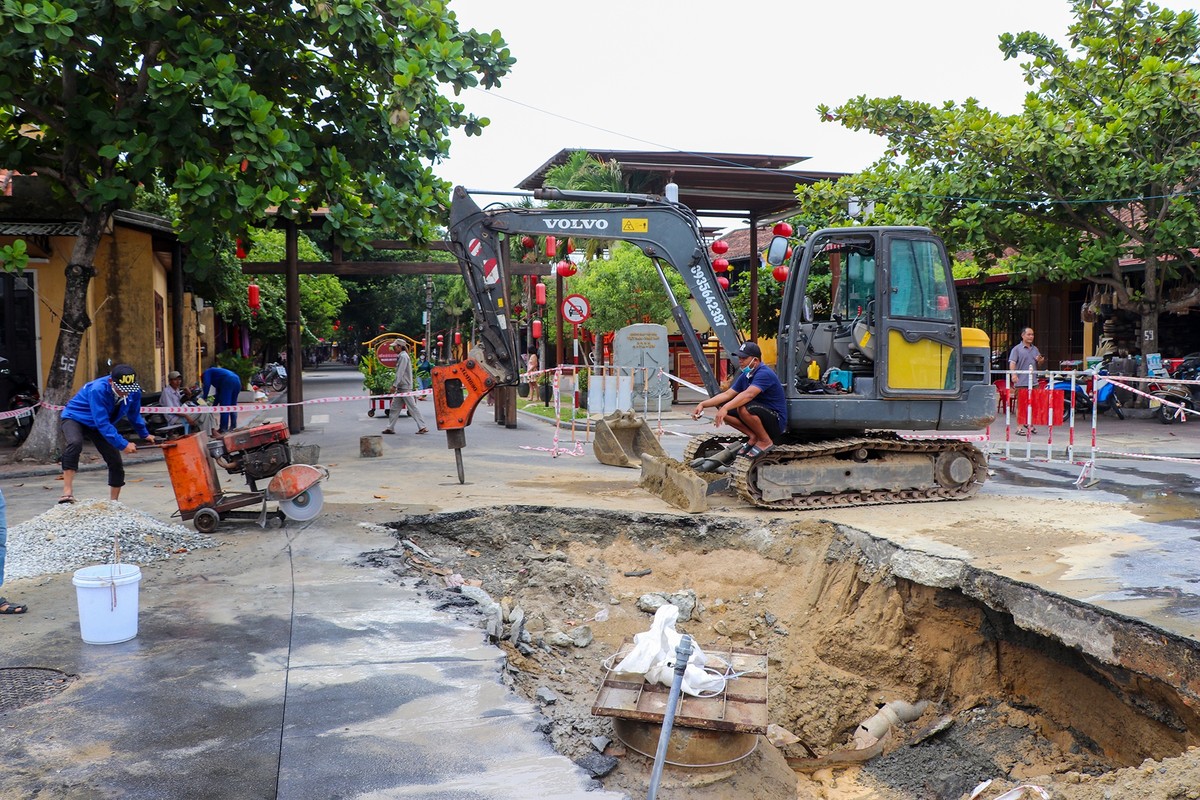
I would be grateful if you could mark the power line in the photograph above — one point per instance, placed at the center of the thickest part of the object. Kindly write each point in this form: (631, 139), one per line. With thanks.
(1031, 199)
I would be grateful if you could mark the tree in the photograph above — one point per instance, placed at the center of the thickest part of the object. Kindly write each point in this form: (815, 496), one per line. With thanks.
(1100, 169)
(625, 289)
(236, 109)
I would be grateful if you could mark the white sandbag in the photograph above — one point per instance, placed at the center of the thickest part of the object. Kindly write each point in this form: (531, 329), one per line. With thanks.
(653, 655)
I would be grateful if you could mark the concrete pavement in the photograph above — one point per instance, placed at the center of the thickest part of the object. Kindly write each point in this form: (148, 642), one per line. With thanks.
(282, 665)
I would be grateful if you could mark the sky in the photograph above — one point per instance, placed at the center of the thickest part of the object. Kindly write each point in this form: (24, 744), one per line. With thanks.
(737, 77)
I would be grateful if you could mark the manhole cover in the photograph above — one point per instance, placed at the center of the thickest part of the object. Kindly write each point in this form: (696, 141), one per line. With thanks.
(24, 686)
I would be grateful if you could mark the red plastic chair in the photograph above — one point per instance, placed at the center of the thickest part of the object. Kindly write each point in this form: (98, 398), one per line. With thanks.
(1004, 396)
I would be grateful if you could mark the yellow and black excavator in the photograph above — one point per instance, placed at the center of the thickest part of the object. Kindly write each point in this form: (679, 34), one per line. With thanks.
(870, 310)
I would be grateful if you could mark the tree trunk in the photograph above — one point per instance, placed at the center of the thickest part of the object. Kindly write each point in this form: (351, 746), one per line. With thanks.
(43, 442)
(1149, 341)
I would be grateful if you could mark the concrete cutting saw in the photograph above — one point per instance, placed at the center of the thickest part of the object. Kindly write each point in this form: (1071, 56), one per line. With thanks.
(260, 453)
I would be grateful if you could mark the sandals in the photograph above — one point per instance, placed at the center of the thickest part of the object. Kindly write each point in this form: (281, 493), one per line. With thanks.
(385, 430)
(423, 430)
(755, 451)
(65, 499)
(12, 608)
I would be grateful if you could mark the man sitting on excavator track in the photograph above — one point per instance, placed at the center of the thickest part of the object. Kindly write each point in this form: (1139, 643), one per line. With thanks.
(755, 404)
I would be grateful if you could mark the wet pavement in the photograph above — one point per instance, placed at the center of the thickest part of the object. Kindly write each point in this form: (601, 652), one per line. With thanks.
(284, 665)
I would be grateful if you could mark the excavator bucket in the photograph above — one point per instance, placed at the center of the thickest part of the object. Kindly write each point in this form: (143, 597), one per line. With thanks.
(622, 438)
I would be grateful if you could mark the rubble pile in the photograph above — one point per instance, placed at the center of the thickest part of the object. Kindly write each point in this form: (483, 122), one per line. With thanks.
(74, 535)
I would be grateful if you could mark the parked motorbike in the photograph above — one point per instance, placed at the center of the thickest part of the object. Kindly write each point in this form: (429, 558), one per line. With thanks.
(1184, 395)
(17, 392)
(1086, 395)
(273, 375)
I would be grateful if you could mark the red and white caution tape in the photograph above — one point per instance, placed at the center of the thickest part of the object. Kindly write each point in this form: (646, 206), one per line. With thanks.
(17, 412)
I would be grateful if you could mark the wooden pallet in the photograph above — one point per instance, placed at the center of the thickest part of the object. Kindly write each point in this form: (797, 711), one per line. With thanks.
(741, 707)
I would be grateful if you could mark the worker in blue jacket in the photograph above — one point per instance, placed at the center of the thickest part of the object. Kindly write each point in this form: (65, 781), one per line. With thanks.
(228, 385)
(93, 413)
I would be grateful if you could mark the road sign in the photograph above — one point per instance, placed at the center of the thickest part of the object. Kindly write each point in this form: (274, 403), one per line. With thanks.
(576, 309)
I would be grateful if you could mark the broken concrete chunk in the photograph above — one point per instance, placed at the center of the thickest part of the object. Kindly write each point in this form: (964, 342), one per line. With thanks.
(600, 742)
(494, 622)
(478, 595)
(559, 639)
(546, 696)
(516, 625)
(597, 765)
(684, 600)
(582, 636)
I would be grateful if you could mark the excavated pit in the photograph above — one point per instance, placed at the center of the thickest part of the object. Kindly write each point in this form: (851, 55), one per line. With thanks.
(1024, 686)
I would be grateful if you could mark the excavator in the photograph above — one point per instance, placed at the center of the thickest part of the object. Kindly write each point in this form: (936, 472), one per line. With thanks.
(869, 346)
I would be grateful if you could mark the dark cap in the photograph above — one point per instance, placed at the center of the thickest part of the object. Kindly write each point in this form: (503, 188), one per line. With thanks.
(749, 350)
(124, 379)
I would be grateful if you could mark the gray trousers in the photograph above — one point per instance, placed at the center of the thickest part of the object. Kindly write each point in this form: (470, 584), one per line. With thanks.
(399, 403)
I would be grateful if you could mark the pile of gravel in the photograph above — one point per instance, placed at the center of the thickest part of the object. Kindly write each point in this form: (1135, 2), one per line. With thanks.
(89, 532)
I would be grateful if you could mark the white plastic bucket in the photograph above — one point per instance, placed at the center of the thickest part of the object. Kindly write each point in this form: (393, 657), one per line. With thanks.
(108, 602)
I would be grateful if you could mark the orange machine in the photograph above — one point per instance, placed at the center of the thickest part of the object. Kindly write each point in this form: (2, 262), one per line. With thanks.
(259, 453)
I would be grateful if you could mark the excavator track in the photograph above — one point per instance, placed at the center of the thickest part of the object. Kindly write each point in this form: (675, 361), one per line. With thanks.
(950, 477)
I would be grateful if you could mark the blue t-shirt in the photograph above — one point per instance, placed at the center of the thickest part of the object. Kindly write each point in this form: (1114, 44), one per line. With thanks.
(770, 390)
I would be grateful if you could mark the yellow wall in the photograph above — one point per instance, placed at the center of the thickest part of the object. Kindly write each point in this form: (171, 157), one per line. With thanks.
(121, 305)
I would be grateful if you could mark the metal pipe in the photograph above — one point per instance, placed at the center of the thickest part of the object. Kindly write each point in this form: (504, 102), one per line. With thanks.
(682, 653)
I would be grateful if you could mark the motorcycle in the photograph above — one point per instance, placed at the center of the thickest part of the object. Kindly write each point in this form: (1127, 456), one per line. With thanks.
(17, 392)
(273, 375)
(1180, 394)
(1086, 395)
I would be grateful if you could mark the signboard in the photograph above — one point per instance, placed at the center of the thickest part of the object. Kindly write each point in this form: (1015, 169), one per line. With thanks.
(576, 309)
(388, 352)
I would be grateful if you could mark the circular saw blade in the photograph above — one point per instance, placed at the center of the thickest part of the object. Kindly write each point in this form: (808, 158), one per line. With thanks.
(305, 505)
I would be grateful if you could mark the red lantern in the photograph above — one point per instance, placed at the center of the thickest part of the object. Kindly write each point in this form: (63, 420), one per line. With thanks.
(723, 282)
(536, 329)
(782, 229)
(337, 324)
(720, 247)
(551, 246)
(780, 273)
(253, 299)
(788, 255)
(528, 242)
(566, 268)
(241, 251)
(457, 338)
(245, 164)
(720, 265)
(570, 247)
(539, 293)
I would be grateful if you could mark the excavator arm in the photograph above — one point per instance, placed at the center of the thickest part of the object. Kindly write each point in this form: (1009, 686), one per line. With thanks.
(665, 231)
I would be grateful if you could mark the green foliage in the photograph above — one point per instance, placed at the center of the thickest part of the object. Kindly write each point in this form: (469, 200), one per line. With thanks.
(770, 298)
(244, 367)
(14, 257)
(1101, 164)
(624, 289)
(240, 109)
(377, 378)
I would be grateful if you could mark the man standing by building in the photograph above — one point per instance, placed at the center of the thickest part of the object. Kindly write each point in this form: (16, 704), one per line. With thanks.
(404, 383)
(228, 385)
(1025, 358)
(93, 412)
